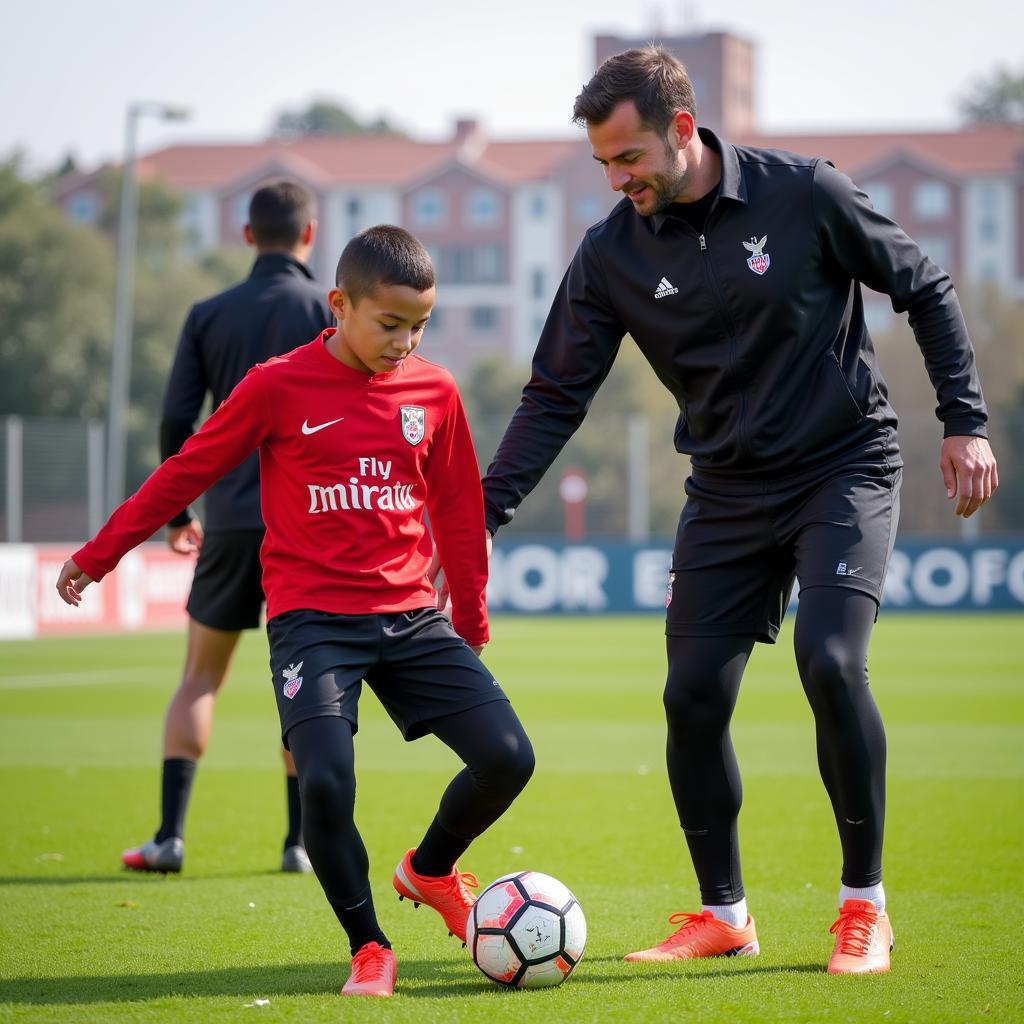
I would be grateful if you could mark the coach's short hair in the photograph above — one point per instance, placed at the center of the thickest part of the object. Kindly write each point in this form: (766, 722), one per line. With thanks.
(383, 255)
(651, 77)
(279, 213)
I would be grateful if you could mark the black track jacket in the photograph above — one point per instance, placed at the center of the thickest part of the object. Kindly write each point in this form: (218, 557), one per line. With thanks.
(277, 308)
(756, 327)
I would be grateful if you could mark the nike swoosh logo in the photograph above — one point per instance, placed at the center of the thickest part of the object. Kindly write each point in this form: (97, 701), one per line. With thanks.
(307, 429)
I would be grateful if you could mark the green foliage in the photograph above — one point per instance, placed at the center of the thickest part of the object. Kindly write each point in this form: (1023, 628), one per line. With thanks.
(325, 117)
(57, 297)
(998, 99)
(599, 448)
(56, 306)
(80, 725)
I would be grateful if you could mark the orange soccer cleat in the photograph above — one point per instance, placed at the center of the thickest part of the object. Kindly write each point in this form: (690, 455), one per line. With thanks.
(701, 935)
(863, 939)
(373, 972)
(448, 895)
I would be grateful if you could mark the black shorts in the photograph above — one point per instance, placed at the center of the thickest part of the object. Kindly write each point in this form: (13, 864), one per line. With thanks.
(415, 663)
(227, 588)
(740, 545)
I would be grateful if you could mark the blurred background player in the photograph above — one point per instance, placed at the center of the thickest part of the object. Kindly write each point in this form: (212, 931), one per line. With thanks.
(276, 308)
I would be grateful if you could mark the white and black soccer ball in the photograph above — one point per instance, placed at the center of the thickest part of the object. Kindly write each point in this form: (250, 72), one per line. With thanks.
(526, 931)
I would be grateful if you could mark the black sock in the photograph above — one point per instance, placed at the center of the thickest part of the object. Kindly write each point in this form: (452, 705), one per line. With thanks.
(177, 785)
(360, 924)
(438, 851)
(294, 837)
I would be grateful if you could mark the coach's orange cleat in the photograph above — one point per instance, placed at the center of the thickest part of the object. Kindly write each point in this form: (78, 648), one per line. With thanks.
(373, 972)
(702, 935)
(863, 940)
(448, 895)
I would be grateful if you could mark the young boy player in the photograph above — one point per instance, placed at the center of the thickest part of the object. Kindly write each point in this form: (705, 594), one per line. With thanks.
(358, 438)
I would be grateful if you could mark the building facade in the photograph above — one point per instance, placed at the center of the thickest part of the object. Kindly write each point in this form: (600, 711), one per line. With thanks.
(502, 218)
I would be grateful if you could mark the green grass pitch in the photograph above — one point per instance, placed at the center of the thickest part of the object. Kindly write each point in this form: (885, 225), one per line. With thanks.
(80, 940)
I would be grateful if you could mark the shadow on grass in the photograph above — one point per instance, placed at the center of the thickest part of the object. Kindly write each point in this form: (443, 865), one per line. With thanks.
(138, 877)
(441, 978)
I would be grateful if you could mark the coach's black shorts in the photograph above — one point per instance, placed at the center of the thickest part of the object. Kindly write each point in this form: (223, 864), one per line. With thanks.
(740, 545)
(415, 663)
(227, 589)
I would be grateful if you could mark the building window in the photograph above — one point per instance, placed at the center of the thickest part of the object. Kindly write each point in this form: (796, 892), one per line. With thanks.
(586, 209)
(988, 230)
(989, 271)
(458, 264)
(537, 283)
(931, 200)
(936, 248)
(988, 198)
(482, 208)
(483, 318)
(85, 207)
(538, 207)
(882, 198)
(240, 211)
(429, 208)
(487, 261)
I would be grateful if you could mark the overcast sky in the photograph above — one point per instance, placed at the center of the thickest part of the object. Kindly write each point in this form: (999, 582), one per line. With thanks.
(68, 70)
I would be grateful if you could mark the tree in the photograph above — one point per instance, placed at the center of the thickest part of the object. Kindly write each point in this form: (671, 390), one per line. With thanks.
(56, 307)
(995, 100)
(325, 117)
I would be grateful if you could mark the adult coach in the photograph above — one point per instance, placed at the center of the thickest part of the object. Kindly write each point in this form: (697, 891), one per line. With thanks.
(738, 273)
(278, 307)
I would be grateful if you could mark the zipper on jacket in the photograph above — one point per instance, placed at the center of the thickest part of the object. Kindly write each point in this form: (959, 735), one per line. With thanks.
(731, 334)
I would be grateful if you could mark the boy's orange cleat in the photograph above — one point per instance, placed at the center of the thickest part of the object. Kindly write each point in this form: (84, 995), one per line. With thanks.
(448, 895)
(702, 935)
(863, 939)
(373, 972)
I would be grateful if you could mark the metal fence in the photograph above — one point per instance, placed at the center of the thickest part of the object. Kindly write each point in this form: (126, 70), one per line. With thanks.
(51, 479)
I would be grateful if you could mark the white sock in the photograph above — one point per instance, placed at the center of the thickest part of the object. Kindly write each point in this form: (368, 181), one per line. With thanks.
(875, 893)
(731, 913)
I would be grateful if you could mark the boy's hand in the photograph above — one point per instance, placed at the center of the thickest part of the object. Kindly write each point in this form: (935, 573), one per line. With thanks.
(71, 582)
(185, 540)
(436, 572)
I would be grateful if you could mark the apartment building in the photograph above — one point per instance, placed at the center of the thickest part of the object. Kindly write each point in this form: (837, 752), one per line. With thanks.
(502, 218)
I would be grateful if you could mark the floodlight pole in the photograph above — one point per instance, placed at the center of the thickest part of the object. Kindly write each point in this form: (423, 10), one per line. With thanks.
(124, 293)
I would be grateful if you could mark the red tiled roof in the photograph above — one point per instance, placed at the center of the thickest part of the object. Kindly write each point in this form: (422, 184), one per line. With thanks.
(995, 150)
(357, 159)
(327, 161)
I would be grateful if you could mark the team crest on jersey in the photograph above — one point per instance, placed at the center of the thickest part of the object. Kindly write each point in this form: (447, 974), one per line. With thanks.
(292, 680)
(759, 261)
(414, 419)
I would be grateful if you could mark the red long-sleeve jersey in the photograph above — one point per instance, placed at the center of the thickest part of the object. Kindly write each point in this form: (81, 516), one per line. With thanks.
(349, 462)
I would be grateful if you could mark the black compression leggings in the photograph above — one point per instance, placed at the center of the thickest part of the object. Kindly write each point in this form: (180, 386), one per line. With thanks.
(833, 627)
(490, 741)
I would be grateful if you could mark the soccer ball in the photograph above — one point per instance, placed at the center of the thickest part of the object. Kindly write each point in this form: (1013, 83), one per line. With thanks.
(526, 931)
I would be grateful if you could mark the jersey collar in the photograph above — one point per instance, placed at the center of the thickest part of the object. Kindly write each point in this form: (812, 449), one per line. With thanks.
(731, 186)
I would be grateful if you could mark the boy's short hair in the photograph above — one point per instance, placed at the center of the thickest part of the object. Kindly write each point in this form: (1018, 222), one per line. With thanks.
(650, 76)
(279, 213)
(383, 255)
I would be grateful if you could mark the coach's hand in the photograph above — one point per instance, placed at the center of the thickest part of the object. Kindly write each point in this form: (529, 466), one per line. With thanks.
(71, 582)
(969, 471)
(185, 540)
